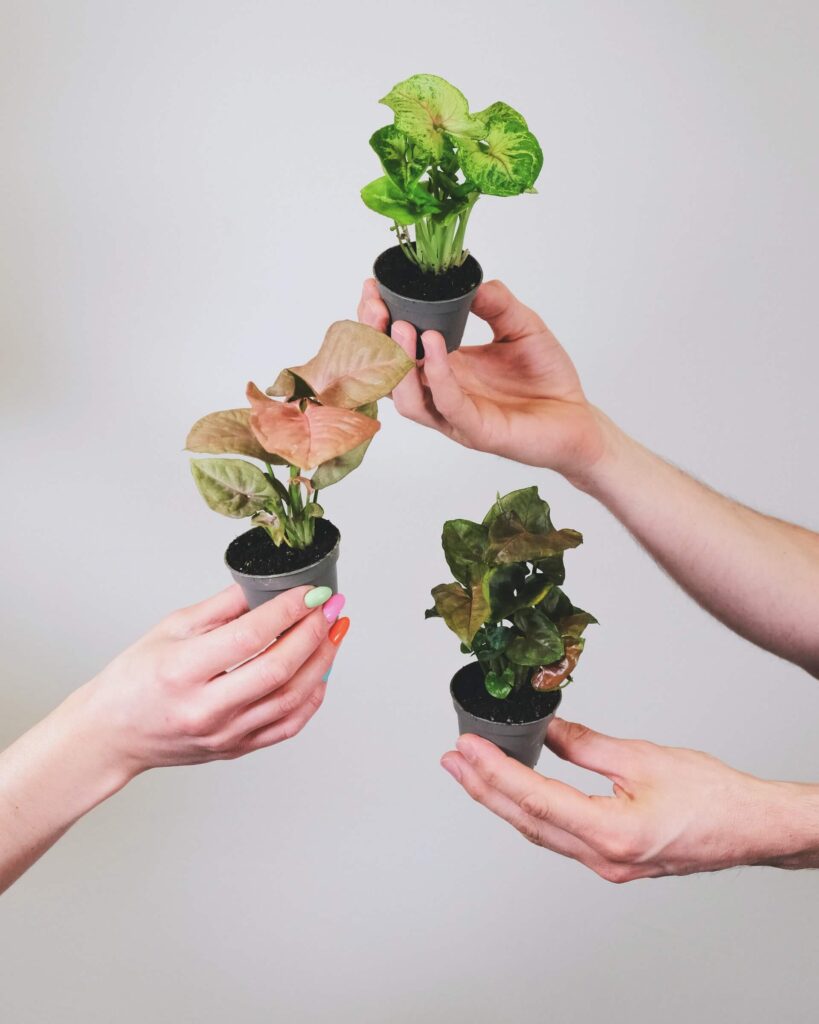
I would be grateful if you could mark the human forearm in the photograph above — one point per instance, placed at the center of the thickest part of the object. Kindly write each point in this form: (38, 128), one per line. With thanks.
(758, 575)
(50, 778)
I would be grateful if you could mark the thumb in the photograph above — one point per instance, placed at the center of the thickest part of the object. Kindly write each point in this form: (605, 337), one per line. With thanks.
(586, 748)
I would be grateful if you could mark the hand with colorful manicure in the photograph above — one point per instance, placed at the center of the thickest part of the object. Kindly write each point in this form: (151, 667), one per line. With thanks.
(210, 682)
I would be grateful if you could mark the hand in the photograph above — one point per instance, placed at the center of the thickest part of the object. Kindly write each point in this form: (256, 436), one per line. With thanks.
(673, 811)
(518, 396)
(176, 697)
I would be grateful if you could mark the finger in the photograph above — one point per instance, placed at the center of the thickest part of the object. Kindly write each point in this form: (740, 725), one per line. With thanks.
(287, 699)
(274, 668)
(371, 307)
(447, 395)
(285, 728)
(545, 799)
(549, 836)
(589, 749)
(206, 656)
(509, 319)
(410, 397)
(206, 615)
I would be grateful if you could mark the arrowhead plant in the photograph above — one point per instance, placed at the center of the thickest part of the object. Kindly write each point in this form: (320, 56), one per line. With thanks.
(507, 605)
(315, 419)
(438, 158)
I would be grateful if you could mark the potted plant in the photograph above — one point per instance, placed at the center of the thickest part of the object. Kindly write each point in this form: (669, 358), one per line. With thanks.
(438, 159)
(319, 420)
(511, 614)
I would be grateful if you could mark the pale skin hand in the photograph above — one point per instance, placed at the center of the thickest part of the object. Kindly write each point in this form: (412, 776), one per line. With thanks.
(176, 697)
(672, 812)
(520, 397)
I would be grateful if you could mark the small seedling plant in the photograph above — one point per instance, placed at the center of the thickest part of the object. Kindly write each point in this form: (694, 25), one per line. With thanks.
(318, 419)
(507, 605)
(438, 159)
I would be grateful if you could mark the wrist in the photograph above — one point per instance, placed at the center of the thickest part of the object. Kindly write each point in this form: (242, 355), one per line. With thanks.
(614, 451)
(788, 826)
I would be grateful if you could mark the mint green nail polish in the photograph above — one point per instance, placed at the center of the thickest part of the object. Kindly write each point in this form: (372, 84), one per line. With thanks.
(317, 596)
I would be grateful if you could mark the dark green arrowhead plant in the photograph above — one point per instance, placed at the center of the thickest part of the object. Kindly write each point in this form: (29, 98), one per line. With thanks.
(507, 605)
(438, 159)
(323, 421)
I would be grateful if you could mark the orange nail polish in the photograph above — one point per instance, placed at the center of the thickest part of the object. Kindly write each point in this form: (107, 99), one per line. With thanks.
(339, 630)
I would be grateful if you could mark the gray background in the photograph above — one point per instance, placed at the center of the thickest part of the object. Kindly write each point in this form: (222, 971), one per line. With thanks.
(179, 212)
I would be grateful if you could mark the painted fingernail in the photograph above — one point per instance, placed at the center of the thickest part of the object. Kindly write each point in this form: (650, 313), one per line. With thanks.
(317, 596)
(452, 768)
(326, 675)
(332, 609)
(339, 630)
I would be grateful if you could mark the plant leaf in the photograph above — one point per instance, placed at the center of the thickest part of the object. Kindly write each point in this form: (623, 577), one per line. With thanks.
(404, 207)
(288, 385)
(511, 541)
(272, 523)
(232, 486)
(491, 640)
(464, 611)
(500, 586)
(336, 469)
(549, 677)
(500, 686)
(427, 108)
(395, 151)
(464, 545)
(573, 625)
(306, 439)
(540, 644)
(355, 365)
(528, 505)
(508, 160)
(227, 433)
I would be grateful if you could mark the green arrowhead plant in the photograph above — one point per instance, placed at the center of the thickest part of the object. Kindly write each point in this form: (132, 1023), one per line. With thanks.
(507, 605)
(318, 418)
(438, 158)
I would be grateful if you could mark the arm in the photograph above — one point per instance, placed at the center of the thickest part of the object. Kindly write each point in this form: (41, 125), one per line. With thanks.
(520, 397)
(173, 698)
(672, 812)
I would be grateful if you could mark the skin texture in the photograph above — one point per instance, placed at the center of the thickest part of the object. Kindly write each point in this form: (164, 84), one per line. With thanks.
(208, 683)
(673, 811)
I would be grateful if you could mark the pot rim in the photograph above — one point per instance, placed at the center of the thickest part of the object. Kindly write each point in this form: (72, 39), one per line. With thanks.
(426, 302)
(292, 572)
(500, 725)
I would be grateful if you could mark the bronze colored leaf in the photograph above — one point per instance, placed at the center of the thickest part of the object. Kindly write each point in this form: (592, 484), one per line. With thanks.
(227, 433)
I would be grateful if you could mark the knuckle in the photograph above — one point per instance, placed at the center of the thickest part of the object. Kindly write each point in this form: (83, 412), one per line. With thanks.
(616, 873)
(316, 699)
(530, 832)
(535, 805)
(621, 847)
(289, 702)
(249, 637)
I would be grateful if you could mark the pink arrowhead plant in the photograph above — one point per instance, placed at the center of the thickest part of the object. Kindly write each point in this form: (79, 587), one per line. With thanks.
(320, 420)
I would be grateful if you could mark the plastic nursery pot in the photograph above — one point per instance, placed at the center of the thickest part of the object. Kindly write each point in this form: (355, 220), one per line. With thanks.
(521, 740)
(430, 302)
(242, 559)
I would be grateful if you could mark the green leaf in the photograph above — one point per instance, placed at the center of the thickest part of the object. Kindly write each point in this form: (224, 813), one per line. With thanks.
(385, 197)
(463, 610)
(552, 568)
(508, 160)
(395, 151)
(272, 523)
(227, 433)
(500, 585)
(464, 545)
(491, 640)
(573, 625)
(500, 686)
(540, 644)
(329, 473)
(312, 510)
(511, 541)
(232, 487)
(528, 505)
(427, 108)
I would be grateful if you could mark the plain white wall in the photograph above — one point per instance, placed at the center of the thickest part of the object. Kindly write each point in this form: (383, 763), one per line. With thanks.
(179, 213)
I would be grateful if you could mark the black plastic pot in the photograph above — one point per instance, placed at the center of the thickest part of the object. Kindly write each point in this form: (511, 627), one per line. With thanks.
(258, 589)
(523, 741)
(447, 315)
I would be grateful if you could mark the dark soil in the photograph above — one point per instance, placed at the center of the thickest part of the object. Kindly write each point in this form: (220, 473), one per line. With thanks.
(527, 705)
(393, 269)
(255, 554)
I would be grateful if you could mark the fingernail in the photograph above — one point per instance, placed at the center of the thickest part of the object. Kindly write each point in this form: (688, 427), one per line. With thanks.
(317, 596)
(339, 630)
(326, 675)
(452, 768)
(332, 609)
